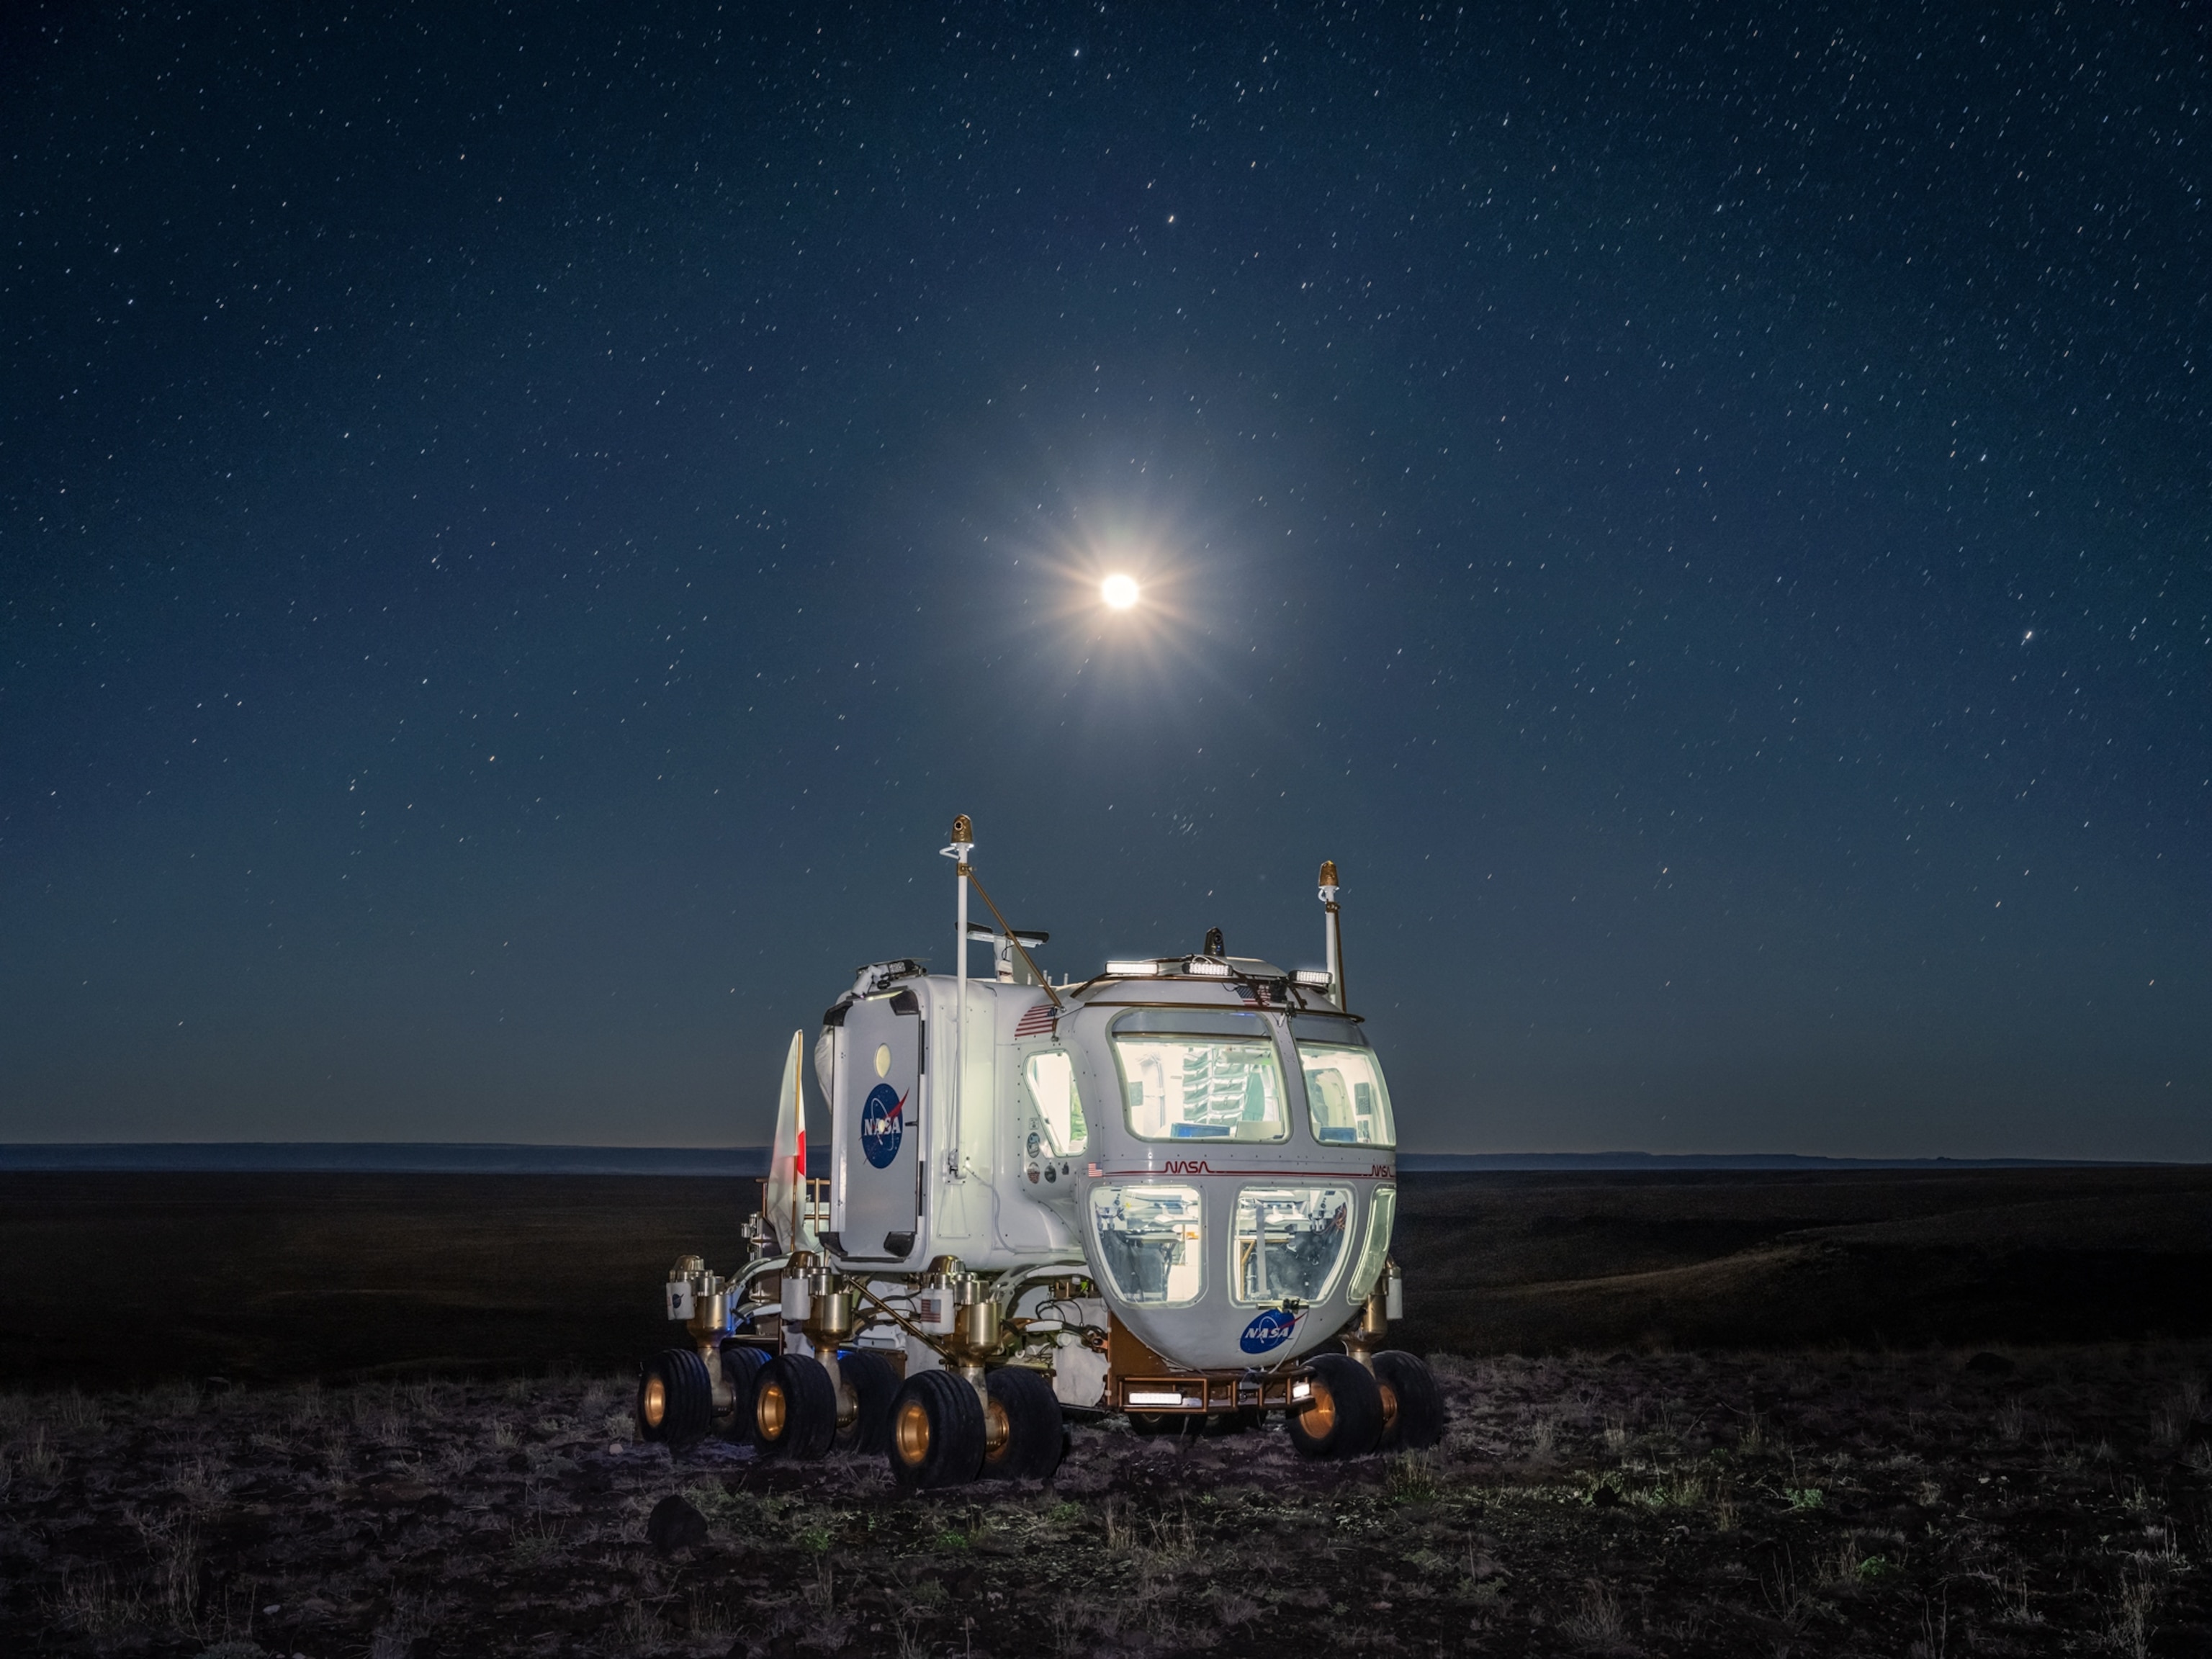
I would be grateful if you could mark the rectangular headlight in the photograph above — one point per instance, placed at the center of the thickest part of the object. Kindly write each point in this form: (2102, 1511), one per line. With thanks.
(1132, 970)
(1210, 970)
(1153, 1397)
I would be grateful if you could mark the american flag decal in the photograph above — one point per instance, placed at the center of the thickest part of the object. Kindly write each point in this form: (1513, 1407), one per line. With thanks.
(1038, 1021)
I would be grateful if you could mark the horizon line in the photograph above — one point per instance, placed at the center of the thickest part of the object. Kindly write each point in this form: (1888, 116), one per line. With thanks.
(463, 1157)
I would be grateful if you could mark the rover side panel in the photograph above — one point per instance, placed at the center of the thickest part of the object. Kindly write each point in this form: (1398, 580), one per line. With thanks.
(875, 1114)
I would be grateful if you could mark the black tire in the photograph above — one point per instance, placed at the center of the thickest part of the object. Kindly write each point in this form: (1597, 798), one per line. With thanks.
(1413, 1404)
(874, 1385)
(937, 1431)
(741, 1369)
(675, 1400)
(795, 1408)
(1029, 1438)
(1343, 1417)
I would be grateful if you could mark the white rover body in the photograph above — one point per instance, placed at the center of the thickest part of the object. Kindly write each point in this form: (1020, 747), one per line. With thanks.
(1161, 1191)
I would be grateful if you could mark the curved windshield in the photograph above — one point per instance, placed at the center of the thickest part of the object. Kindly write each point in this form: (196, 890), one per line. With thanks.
(1375, 1250)
(1202, 1088)
(1149, 1242)
(1290, 1242)
(1345, 1096)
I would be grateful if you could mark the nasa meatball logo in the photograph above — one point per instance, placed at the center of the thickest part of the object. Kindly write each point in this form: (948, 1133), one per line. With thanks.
(883, 1124)
(1270, 1330)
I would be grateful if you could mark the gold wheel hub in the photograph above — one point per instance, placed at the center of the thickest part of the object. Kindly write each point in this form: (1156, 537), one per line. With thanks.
(910, 1434)
(1389, 1406)
(1321, 1413)
(771, 1411)
(998, 1432)
(655, 1409)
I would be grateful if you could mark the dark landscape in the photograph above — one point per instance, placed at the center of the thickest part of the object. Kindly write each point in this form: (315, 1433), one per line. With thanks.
(1880, 1413)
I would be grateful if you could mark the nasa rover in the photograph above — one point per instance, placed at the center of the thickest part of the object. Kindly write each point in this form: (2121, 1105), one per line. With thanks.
(1166, 1191)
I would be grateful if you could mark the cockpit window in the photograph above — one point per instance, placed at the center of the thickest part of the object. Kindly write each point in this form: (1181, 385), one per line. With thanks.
(1345, 1096)
(1202, 1088)
(1150, 1241)
(1289, 1242)
(1051, 1079)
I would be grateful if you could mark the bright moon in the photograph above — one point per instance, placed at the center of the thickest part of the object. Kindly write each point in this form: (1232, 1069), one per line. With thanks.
(1119, 592)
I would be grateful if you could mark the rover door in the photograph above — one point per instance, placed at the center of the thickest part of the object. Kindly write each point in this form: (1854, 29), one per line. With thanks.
(877, 1112)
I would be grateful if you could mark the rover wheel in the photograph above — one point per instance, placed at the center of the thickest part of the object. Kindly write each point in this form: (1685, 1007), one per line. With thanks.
(1344, 1416)
(1022, 1433)
(937, 1431)
(741, 1369)
(874, 1385)
(675, 1401)
(795, 1408)
(1414, 1407)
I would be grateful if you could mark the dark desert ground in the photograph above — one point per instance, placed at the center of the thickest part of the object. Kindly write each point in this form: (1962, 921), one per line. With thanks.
(1884, 1412)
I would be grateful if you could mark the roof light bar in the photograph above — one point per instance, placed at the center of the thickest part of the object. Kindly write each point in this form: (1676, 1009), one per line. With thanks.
(1209, 969)
(1317, 977)
(1133, 970)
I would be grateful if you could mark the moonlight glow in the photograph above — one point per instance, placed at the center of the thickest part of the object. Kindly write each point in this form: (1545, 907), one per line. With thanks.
(1119, 592)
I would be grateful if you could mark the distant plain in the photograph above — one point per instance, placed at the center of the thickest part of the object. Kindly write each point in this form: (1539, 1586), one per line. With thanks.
(283, 1276)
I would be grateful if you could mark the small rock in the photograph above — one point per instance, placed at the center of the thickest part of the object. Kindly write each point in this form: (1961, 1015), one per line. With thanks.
(675, 1525)
(1990, 1364)
(1605, 1498)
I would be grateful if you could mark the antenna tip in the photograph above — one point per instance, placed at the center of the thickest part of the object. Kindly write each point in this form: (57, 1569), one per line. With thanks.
(1328, 873)
(962, 829)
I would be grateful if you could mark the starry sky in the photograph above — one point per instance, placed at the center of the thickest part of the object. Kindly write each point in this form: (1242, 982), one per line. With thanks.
(519, 527)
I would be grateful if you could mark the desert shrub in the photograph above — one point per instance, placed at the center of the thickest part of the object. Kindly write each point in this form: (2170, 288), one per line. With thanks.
(532, 1540)
(1676, 1489)
(94, 1603)
(173, 1548)
(1412, 1478)
(410, 1617)
(1726, 1515)
(1597, 1620)
(73, 1410)
(2128, 1627)
(39, 1462)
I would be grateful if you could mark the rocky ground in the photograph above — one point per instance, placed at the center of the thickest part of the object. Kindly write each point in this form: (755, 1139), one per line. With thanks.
(1930, 1505)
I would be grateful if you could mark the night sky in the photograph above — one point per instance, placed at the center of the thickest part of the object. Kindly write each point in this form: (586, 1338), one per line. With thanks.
(519, 528)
